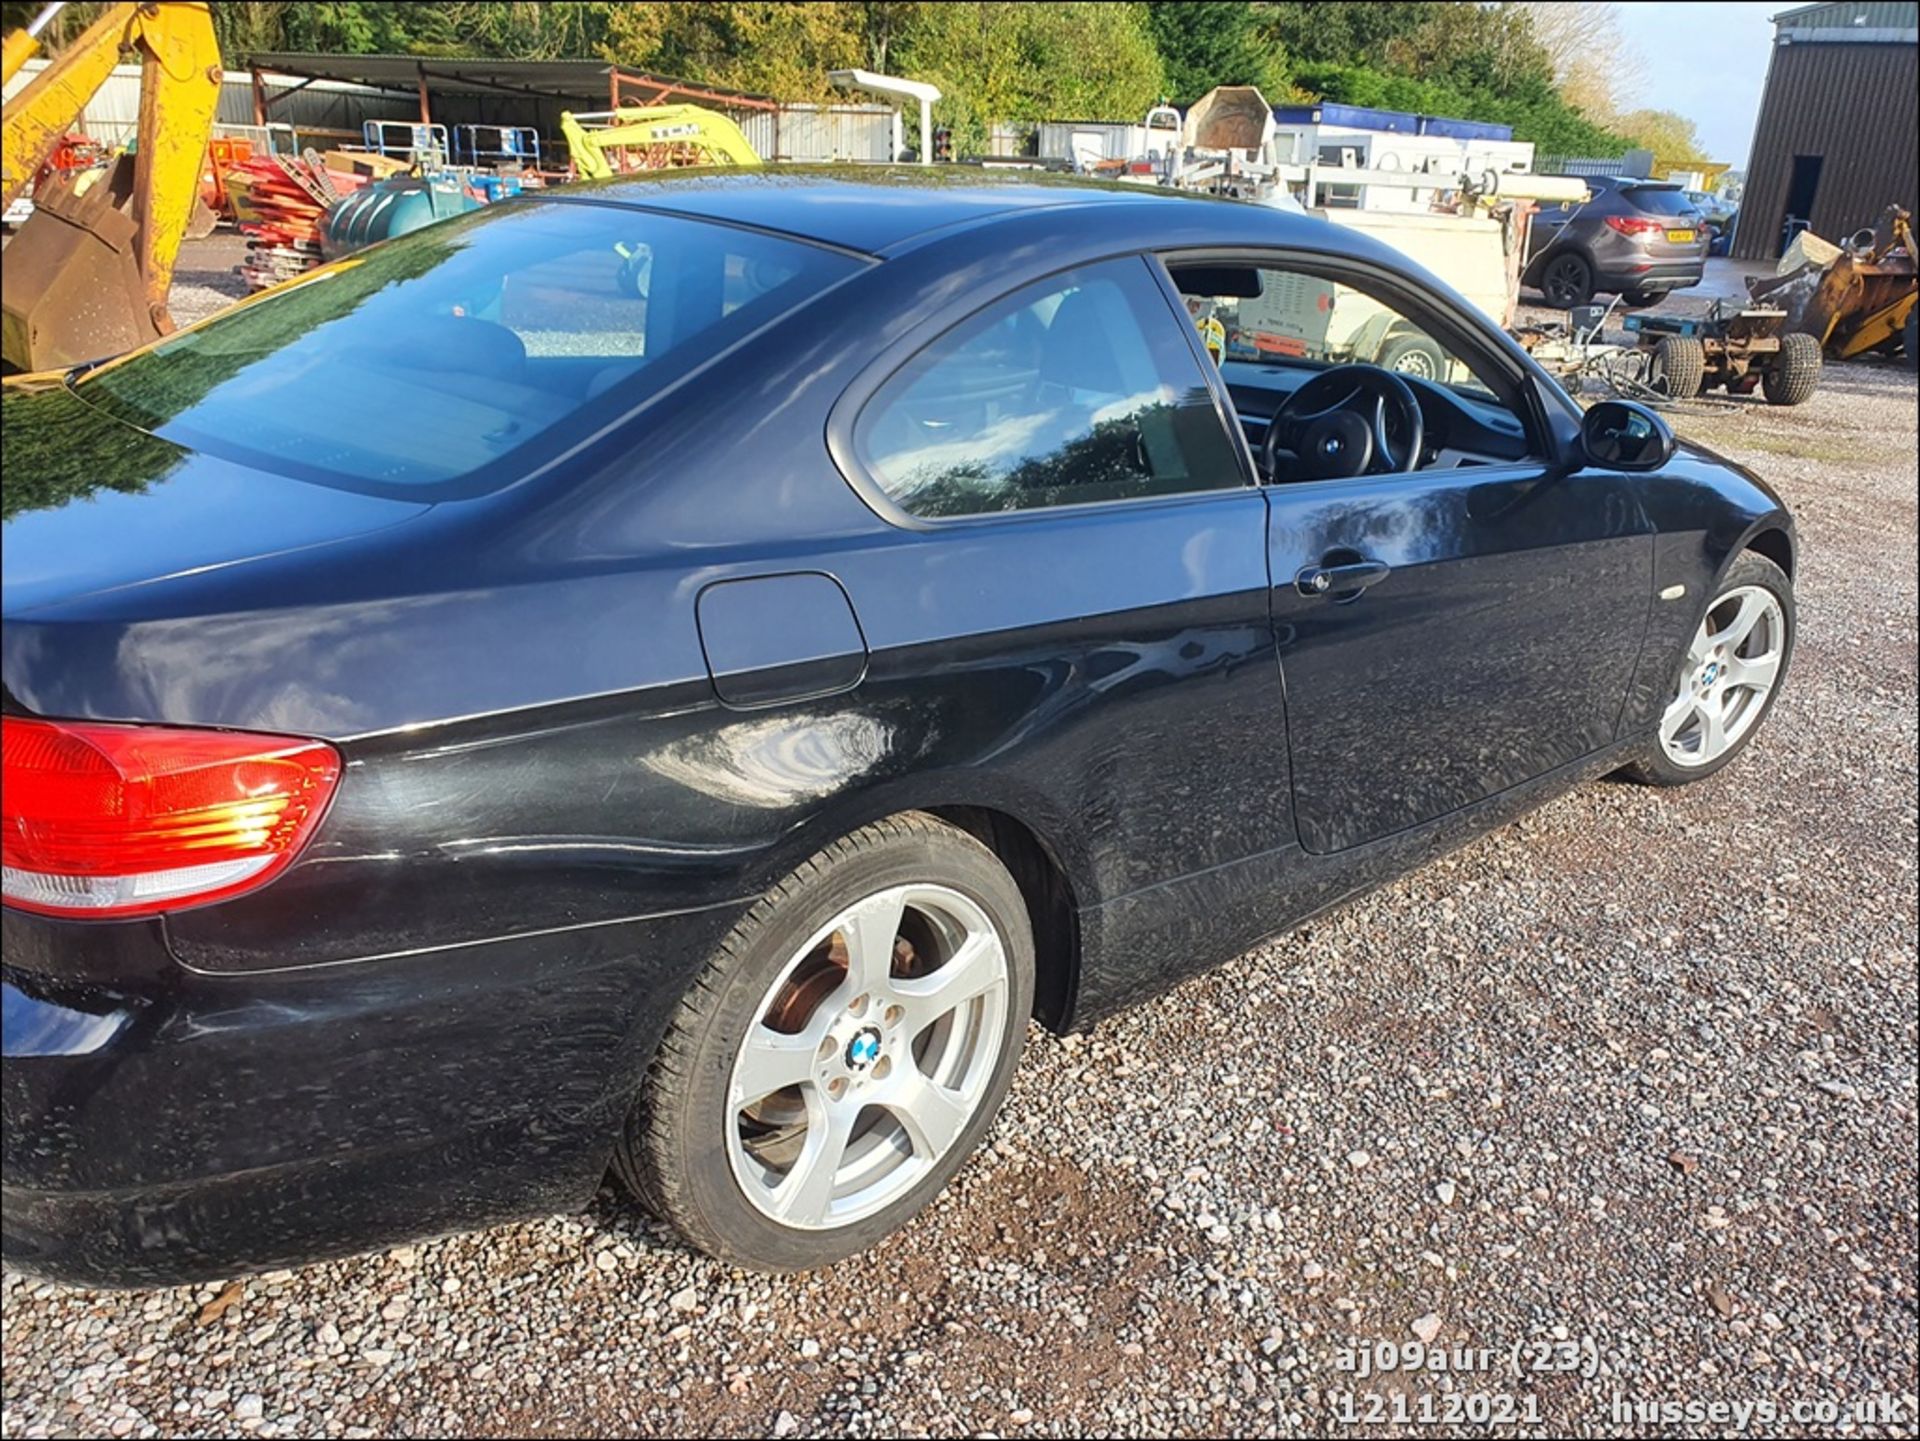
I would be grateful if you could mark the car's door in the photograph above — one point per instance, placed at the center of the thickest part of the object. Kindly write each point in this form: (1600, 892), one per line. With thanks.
(1493, 635)
(1077, 590)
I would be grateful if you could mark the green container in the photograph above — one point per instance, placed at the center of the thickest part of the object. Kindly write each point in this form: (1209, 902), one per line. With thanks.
(388, 208)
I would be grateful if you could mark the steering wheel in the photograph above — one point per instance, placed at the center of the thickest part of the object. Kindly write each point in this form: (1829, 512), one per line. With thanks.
(1335, 426)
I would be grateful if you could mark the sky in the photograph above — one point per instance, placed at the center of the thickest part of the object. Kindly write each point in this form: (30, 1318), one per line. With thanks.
(1706, 60)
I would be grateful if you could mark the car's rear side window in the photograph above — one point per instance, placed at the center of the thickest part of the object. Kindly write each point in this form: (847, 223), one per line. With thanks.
(461, 349)
(1078, 388)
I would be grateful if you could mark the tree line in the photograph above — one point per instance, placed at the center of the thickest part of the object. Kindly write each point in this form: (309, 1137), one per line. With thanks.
(1557, 73)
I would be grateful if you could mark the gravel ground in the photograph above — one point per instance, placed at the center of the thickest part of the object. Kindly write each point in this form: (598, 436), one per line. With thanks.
(1637, 1073)
(205, 278)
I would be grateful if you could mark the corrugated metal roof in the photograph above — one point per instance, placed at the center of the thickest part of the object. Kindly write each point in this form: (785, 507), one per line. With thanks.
(1852, 14)
(583, 80)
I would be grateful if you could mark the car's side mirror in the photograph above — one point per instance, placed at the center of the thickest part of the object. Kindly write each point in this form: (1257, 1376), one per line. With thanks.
(1620, 435)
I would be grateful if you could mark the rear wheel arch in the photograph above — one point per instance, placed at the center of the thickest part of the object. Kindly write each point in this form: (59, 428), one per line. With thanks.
(1049, 893)
(1045, 862)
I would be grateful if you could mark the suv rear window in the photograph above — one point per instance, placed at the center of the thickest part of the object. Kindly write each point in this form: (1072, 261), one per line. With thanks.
(460, 350)
(1658, 200)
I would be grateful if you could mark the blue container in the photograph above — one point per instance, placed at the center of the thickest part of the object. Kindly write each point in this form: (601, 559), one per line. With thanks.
(1356, 117)
(1464, 129)
(497, 187)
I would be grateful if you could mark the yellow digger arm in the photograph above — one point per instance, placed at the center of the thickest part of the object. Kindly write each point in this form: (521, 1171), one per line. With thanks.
(23, 44)
(706, 131)
(179, 91)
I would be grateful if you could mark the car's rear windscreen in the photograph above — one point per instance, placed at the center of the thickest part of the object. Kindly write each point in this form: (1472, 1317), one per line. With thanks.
(461, 351)
(1659, 200)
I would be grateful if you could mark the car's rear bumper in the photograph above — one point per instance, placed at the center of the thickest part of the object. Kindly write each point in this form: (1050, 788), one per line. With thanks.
(182, 1127)
(1650, 273)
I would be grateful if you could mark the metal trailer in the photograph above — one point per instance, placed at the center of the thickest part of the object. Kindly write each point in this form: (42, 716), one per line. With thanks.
(1737, 350)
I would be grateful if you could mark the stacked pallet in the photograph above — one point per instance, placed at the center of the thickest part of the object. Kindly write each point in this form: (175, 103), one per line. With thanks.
(280, 202)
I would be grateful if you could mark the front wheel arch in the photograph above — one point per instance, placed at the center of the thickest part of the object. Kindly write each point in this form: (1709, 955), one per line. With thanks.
(1751, 568)
(1775, 544)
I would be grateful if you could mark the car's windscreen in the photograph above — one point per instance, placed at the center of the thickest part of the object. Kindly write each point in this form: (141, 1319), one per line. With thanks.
(1657, 200)
(457, 350)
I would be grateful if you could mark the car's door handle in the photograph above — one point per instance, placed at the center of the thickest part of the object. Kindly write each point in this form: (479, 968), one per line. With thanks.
(1341, 580)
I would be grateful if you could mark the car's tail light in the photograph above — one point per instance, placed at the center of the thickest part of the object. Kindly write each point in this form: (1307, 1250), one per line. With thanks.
(125, 820)
(1635, 224)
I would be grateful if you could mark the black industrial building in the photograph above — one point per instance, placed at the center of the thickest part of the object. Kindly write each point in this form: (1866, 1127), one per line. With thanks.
(1836, 140)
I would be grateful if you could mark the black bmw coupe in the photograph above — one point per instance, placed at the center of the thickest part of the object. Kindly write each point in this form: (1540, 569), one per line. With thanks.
(673, 675)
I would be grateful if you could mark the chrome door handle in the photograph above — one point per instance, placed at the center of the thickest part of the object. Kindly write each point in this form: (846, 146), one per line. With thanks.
(1341, 580)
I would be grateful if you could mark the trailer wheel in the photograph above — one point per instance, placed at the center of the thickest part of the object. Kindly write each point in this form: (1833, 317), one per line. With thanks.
(1413, 354)
(1795, 371)
(1679, 366)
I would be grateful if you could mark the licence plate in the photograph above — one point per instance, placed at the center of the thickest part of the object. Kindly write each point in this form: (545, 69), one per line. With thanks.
(1680, 237)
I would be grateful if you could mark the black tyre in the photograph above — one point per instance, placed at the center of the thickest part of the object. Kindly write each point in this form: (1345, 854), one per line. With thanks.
(1728, 676)
(1413, 355)
(1566, 280)
(841, 1053)
(1910, 337)
(1795, 372)
(1679, 367)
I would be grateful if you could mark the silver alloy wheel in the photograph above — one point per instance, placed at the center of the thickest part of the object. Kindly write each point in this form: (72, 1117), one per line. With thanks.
(1730, 667)
(868, 1057)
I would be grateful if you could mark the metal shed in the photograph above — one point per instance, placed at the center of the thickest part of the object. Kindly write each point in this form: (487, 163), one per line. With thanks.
(459, 91)
(1836, 140)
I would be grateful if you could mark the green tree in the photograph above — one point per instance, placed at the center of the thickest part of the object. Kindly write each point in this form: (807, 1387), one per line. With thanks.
(1487, 48)
(882, 24)
(518, 29)
(994, 60)
(1669, 135)
(764, 46)
(1341, 32)
(1207, 44)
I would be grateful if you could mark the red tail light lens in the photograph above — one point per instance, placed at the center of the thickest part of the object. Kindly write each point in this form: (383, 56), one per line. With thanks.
(1634, 224)
(124, 820)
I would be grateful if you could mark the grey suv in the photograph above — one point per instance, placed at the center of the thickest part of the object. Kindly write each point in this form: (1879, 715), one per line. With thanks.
(1638, 239)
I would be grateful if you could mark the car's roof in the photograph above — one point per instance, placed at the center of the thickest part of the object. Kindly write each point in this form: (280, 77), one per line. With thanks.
(874, 209)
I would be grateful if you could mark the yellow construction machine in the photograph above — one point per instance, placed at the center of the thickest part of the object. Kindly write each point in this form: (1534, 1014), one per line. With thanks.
(88, 274)
(1852, 298)
(656, 137)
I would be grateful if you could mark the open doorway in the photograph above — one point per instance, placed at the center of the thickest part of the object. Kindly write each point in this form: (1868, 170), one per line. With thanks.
(1801, 187)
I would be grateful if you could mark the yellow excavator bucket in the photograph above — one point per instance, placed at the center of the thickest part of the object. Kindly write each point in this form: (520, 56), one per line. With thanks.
(89, 272)
(1851, 299)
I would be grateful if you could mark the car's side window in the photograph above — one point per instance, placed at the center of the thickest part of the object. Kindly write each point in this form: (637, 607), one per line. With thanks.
(1079, 388)
(1285, 315)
